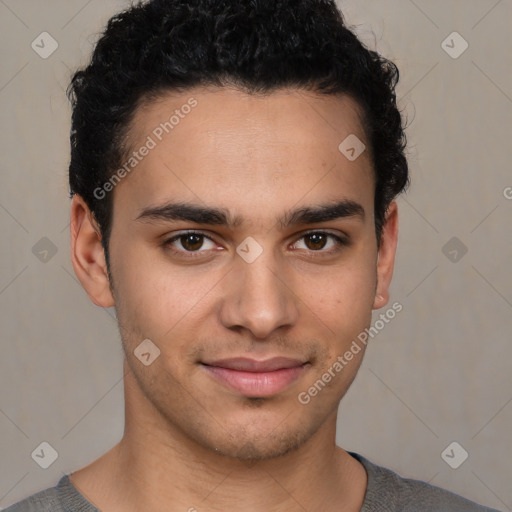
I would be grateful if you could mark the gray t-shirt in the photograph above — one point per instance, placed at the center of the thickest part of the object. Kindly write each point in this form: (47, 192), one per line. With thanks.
(386, 492)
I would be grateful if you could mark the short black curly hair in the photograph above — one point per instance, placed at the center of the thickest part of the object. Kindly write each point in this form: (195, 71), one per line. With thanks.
(258, 46)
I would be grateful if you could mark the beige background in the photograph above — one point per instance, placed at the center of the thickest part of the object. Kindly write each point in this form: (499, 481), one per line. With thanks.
(439, 372)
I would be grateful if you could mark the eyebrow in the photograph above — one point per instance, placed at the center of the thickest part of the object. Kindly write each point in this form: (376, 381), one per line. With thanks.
(221, 217)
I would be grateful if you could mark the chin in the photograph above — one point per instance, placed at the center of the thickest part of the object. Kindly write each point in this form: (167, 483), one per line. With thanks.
(254, 451)
(256, 446)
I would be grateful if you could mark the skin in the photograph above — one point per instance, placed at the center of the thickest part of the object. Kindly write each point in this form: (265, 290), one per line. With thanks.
(190, 442)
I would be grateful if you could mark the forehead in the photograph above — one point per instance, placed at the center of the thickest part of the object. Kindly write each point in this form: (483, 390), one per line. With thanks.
(292, 115)
(223, 146)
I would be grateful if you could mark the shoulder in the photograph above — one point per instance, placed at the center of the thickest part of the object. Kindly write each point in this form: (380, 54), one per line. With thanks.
(409, 495)
(61, 498)
(42, 501)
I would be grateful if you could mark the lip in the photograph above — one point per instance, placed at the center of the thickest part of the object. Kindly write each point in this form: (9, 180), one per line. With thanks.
(253, 378)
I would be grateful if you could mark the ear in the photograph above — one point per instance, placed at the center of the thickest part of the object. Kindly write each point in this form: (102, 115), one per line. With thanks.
(87, 254)
(386, 256)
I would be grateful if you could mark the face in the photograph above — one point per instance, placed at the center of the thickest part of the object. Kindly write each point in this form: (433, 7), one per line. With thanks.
(243, 246)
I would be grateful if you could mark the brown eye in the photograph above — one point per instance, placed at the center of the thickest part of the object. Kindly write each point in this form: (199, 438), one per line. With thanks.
(316, 241)
(321, 242)
(190, 242)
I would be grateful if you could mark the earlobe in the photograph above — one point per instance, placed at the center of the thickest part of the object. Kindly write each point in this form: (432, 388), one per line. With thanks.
(386, 256)
(87, 254)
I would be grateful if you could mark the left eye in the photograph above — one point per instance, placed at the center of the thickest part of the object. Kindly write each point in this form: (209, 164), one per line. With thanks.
(318, 240)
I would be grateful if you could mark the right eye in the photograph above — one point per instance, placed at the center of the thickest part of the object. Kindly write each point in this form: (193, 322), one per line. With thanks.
(190, 241)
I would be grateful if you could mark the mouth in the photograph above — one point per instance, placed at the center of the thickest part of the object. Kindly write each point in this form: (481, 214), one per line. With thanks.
(256, 379)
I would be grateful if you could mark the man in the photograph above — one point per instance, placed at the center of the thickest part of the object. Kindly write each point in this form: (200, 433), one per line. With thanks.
(233, 173)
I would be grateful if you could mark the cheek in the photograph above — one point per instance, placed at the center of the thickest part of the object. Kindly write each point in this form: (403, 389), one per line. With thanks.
(156, 300)
(341, 296)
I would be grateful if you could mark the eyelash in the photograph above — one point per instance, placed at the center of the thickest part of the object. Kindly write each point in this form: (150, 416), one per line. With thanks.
(340, 242)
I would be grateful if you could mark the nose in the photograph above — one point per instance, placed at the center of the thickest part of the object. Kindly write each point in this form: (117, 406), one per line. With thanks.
(259, 297)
